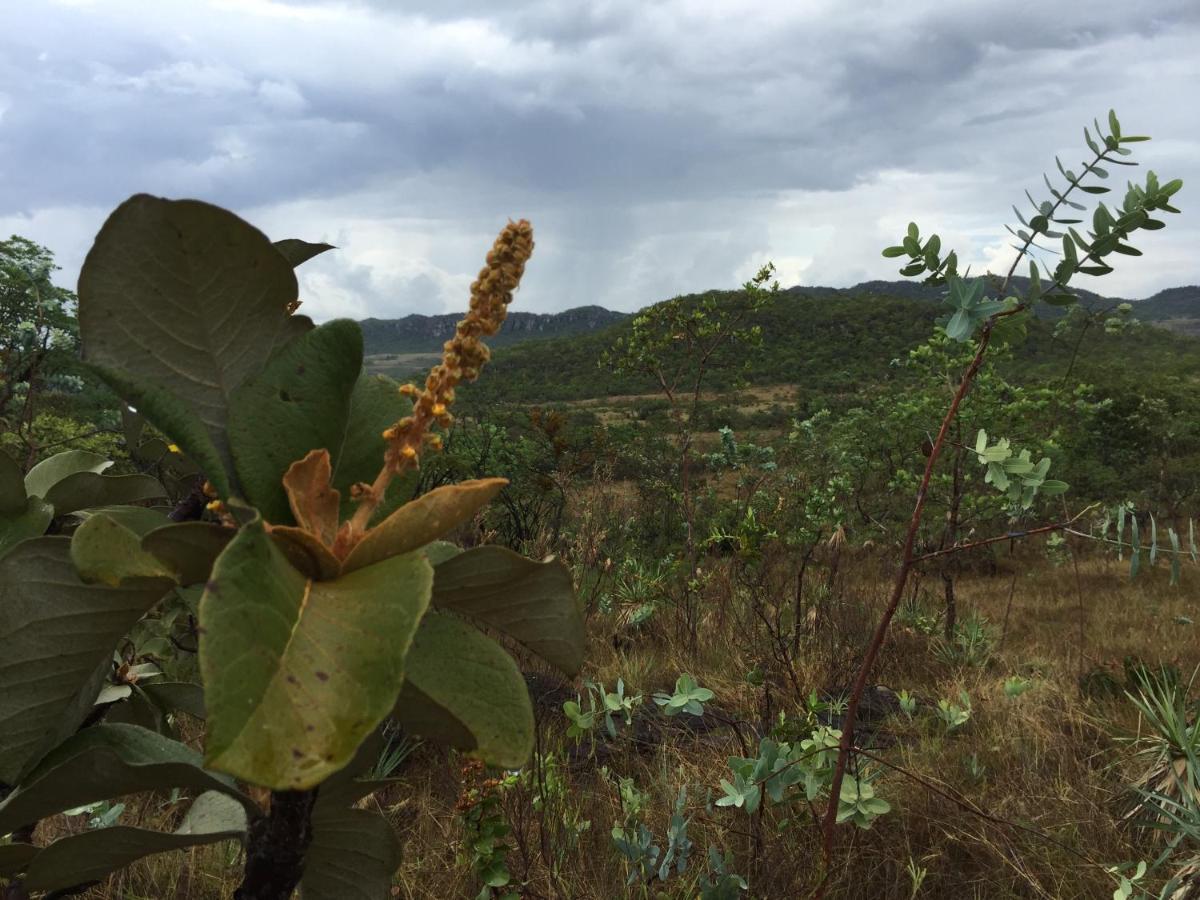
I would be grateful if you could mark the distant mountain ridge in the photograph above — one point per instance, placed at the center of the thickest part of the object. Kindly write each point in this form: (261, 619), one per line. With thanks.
(1175, 308)
(426, 334)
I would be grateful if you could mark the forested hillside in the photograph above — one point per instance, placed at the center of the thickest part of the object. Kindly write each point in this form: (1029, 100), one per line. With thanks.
(838, 343)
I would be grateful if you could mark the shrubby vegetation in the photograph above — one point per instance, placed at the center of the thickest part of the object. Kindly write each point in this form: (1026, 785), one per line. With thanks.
(753, 595)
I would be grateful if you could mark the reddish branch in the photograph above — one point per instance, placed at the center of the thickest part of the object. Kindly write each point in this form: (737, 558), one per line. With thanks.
(1012, 535)
(909, 558)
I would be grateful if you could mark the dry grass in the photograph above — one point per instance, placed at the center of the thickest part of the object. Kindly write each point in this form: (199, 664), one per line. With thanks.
(1046, 760)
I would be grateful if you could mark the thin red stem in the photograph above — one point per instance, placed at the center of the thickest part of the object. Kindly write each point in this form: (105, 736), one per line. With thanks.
(829, 822)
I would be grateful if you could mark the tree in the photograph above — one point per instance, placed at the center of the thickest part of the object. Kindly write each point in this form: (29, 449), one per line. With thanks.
(679, 344)
(976, 318)
(39, 334)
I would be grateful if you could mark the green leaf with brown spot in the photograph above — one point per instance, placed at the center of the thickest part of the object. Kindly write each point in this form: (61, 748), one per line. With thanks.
(298, 672)
(464, 690)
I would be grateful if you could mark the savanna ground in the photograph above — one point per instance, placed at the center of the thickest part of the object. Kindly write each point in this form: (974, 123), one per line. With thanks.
(1023, 801)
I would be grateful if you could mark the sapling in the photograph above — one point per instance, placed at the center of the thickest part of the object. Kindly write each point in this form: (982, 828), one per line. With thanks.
(954, 715)
(974, 316)
(688, 697)
(1015, 686)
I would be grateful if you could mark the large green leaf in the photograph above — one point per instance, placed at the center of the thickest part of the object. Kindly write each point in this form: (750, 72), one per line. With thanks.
(93, 855)
(139, 519)
(186, 298)
(173, 417)
(464, 690)
(12, 487)
(84, 489)
(53, 469)
(299, 402)
(354, 782)
(533, 602)
(375, 404)
(423, 520)
(15, 858)
(182, 696)
(188, 549)
(104, 550)
(352, 856)
(104, 762)
(298, 252)
(59, 635)
(297, 672)
(30, 522)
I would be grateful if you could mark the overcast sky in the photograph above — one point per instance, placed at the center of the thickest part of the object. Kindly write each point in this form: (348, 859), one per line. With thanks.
(658, 147)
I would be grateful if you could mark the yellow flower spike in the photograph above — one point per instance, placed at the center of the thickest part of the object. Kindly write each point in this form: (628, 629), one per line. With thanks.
(462, 358)
(214, 506)
(173, 448)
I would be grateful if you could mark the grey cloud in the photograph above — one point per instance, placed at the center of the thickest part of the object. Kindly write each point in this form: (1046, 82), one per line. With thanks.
(656, 144)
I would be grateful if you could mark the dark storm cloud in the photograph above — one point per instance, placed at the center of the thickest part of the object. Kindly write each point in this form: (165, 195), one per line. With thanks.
(659, 147)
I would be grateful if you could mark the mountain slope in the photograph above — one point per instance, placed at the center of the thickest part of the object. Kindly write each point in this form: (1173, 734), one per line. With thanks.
(1174, 308)
(830, 343)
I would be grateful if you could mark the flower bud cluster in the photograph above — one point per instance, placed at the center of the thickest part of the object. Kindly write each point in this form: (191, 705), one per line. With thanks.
(465, 354)
(462, 358)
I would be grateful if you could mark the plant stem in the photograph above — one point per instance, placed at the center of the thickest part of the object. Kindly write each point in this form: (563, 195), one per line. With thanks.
(829, 822)
(276, 846)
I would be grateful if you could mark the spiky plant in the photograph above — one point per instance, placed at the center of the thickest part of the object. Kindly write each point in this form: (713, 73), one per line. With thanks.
(1168, 745)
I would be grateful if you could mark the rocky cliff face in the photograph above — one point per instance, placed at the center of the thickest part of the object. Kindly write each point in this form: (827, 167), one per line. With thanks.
(417, 334)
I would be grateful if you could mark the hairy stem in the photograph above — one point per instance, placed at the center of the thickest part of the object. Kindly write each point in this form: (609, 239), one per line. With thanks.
(276, 847)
